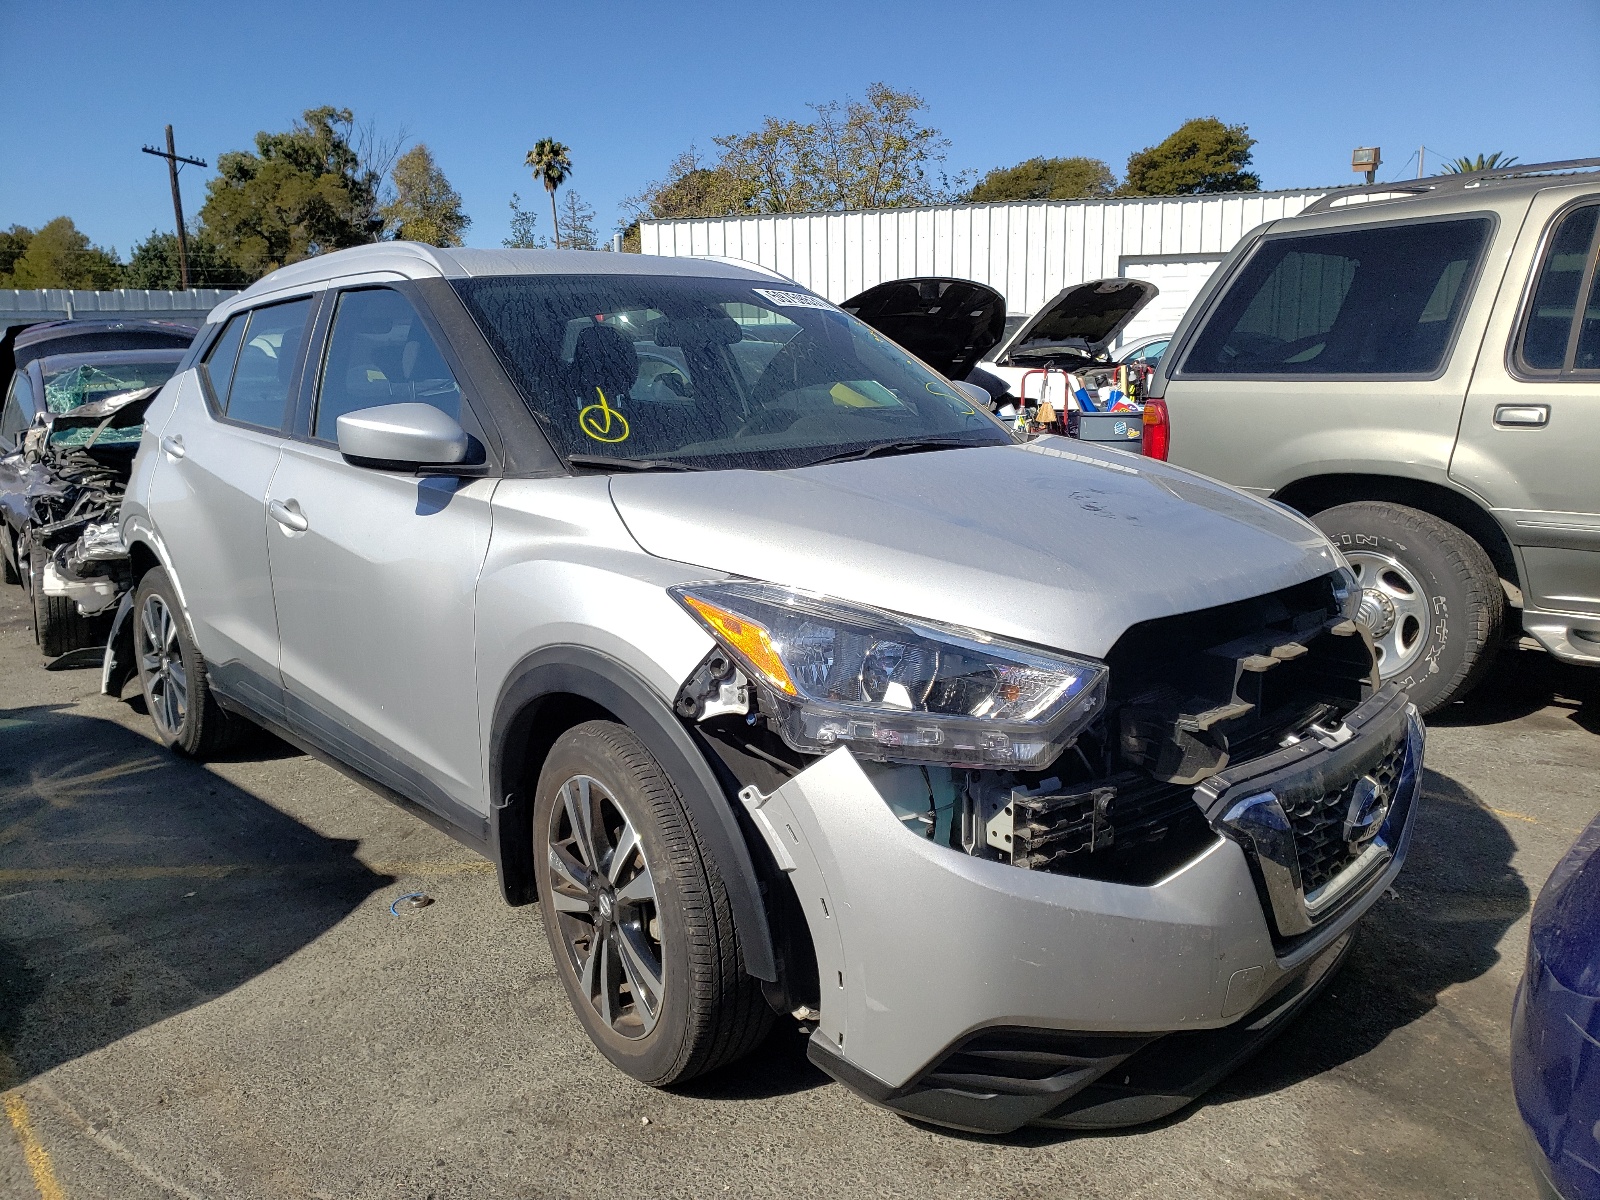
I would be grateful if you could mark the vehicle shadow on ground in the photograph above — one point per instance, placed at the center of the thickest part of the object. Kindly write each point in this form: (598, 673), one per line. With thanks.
(135, 885)
(1523, 682)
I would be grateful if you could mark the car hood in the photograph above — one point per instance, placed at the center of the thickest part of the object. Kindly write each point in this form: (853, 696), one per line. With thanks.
(950, 324)
(1087, 315)
(1051, 542)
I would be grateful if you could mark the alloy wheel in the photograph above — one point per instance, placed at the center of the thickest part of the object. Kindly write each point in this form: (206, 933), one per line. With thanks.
(605, 901)
(161, 664)
(1394, 609)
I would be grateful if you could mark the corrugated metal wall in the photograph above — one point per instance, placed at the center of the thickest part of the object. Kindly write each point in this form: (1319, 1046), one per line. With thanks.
(23, 306)
(1028, 252)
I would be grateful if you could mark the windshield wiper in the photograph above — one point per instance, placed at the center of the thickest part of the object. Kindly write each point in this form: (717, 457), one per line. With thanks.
(885, 449)
(604, 462)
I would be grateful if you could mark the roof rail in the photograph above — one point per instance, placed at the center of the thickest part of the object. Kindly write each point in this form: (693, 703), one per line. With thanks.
(1437, 185)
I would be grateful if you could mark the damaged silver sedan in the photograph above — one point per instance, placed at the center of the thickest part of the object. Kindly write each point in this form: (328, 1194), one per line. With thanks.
(1037, 782)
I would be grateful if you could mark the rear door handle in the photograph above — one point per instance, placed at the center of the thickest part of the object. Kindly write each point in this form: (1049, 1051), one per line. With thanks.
(1524, 415)
(288, 515)
(173, 444)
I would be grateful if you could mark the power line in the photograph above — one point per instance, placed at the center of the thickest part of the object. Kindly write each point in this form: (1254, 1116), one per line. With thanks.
(173, 159)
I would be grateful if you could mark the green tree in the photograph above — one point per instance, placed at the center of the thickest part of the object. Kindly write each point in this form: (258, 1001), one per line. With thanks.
(1045, 179)
(154, 263)
(302, 192)
(875, 153)
(872, 153)
(13, 245)
(1202, 155)
(577, 218)
(59, 255)
(1460, 166)
(552, 164)
(524, 232)
(425, 208)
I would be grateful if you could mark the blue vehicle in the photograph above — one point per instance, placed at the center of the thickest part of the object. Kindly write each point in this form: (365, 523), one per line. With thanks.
(1555, 1027)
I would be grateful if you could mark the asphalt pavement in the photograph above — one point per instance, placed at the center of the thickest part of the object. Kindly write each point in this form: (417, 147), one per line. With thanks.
(204, 993)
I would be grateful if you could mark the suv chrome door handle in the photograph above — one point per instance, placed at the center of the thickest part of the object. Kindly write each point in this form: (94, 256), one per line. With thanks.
(288, 515)
(1527, 415)
(173, 444)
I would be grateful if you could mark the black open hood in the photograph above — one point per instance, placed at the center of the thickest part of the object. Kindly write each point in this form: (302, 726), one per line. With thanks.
(948, 323)
(1082, 319)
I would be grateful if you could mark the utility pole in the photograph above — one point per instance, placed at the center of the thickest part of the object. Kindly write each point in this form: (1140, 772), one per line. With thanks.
(1421, 153)
(173, 159)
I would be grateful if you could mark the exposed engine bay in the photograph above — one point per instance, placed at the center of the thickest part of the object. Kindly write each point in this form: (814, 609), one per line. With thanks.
(60, 492)
(1188, 696)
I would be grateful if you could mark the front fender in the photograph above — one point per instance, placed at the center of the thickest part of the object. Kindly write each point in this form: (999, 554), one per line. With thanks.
(581, 671)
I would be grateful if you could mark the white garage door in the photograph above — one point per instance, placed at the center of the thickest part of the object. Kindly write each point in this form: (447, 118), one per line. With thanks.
(1180, 278)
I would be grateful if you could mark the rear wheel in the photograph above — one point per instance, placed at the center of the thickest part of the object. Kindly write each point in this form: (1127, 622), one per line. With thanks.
(1431, 599)
(172, 674)
(636, 913)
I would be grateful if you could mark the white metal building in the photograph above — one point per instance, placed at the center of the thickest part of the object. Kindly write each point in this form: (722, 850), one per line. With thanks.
(1027, 251)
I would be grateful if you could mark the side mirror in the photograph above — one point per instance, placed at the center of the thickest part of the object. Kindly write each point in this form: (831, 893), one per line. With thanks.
(973, 393)
(409, 434)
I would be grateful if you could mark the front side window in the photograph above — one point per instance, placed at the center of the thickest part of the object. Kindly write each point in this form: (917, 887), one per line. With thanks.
(1555, 323)
(12, 419)
(710, 373)
(269, 349)
(1374, 300)
(379, 353)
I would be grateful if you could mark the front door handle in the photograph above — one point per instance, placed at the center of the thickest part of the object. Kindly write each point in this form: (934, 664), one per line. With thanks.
(1526, 416)
(288, 515)
(173, 444)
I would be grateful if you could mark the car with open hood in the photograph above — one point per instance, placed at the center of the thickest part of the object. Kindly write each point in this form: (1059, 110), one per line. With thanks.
(683, 595)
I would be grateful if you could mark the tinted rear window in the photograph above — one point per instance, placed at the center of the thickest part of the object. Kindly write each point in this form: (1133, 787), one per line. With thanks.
(1379, 300)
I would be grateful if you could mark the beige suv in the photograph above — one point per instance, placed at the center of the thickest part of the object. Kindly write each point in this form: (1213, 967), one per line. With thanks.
(1416, 366)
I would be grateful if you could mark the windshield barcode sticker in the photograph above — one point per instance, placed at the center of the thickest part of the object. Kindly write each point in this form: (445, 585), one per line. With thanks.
(793, 299)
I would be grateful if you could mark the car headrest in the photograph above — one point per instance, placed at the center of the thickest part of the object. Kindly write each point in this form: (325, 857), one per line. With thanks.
(605, 358)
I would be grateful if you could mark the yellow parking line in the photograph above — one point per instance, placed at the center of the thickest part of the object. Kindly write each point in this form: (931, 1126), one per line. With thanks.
(15, 875)
(44, 1175)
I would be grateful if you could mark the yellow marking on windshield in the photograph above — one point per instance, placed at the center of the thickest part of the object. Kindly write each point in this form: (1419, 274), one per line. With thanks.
(602, 422)
(863, 393)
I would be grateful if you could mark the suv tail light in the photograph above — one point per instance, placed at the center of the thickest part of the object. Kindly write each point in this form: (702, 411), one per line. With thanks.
(1157, 429)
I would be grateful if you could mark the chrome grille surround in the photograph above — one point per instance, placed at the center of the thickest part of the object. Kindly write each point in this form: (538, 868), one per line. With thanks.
(1308, 816)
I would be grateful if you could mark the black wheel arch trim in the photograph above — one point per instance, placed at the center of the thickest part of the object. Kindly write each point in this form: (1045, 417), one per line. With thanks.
(602, 680)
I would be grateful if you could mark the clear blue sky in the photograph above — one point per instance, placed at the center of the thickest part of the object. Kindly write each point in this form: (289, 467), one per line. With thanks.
(628, 85)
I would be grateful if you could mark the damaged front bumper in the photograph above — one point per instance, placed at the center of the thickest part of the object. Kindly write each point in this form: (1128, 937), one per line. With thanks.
(975, 994)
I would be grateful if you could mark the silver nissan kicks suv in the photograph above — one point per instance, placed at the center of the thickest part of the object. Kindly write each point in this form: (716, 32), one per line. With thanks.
(741, 640)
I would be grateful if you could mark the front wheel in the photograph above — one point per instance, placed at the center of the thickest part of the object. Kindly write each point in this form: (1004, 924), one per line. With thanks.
(172, 674)
(1431, 599)
(636, 913)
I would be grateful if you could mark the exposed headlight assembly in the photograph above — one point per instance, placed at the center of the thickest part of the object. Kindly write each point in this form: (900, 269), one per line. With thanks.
(894, 689)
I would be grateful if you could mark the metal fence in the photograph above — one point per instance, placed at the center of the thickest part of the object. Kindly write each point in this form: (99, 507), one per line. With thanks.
(21, 307)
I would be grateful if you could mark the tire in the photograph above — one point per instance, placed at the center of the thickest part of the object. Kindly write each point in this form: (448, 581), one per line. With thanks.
(1431, 598)
(661, 913)
(58, 626)
(172, 674)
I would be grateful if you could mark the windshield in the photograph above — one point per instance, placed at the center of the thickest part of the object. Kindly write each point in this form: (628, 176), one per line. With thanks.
(713, 373)
(70, 387)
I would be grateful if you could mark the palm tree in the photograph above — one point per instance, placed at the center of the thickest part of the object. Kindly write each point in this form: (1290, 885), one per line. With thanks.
(1461, 166)
(551, 166)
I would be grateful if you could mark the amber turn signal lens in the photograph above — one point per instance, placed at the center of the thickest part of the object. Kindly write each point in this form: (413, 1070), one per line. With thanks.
(748, 639)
